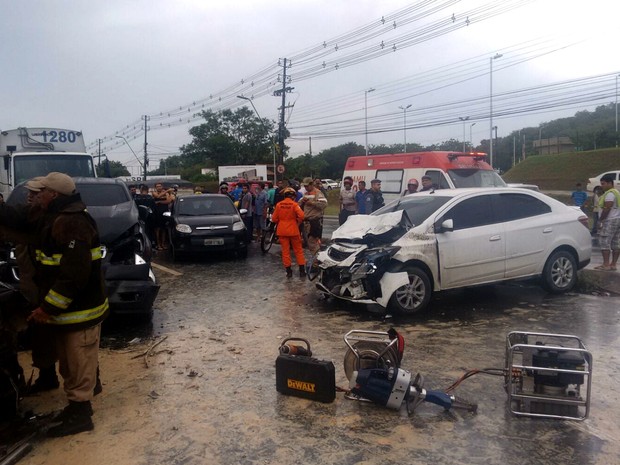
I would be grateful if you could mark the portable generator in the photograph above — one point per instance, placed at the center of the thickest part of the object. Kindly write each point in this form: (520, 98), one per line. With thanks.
(548, 375)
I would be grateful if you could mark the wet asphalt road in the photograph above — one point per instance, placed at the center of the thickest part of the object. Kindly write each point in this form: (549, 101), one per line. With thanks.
(225, 319)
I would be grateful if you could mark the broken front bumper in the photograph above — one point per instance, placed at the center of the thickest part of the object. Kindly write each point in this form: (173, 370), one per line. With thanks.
(131, 289)
(369, 278)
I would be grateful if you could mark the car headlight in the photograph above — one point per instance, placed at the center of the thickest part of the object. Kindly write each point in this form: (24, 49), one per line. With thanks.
(183, 228)
(371, 260)
(238, 226)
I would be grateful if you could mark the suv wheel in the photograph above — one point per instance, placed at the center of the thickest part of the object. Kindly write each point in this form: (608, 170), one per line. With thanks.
(413, 297)
(560, 272)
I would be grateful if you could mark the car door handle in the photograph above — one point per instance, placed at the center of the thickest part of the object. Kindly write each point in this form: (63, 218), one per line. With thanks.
(495, 238)
(547, 230)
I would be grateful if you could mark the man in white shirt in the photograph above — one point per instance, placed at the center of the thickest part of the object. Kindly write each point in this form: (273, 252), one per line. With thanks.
(609, 224)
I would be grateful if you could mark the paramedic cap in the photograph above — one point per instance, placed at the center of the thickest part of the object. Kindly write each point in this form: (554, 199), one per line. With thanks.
(413, 181)
(307, 181)
(34, 184)
(58, 182)
(375, 181)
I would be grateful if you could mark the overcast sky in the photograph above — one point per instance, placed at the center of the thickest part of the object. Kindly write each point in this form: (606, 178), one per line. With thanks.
(97, 66)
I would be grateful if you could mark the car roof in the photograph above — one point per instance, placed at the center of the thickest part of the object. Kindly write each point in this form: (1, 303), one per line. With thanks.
(83, 180)
(474, 190)
(203, 196)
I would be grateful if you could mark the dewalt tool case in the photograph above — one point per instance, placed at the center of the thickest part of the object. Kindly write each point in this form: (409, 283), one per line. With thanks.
(299, 374)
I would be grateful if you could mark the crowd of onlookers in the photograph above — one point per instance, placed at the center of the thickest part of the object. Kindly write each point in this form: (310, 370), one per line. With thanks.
(158, 201)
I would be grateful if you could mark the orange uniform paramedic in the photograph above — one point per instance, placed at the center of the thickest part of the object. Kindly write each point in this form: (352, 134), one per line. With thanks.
(288, 215)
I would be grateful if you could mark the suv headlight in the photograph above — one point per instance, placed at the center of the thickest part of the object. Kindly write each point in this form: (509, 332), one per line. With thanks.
(238, 226)
(183, 228)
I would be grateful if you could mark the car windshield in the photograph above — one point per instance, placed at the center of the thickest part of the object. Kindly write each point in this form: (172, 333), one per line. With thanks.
(474, 177)
(103, 195)
(203, 206)
(27, 167)
(418, 207)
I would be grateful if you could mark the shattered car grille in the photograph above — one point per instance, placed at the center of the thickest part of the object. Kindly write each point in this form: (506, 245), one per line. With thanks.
(338, 255)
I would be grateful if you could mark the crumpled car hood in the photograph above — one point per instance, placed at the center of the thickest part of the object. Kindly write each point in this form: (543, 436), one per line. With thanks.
(115, 220)
(369, 229)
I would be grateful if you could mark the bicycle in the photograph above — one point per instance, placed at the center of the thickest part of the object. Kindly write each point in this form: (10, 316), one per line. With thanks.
(269, 234)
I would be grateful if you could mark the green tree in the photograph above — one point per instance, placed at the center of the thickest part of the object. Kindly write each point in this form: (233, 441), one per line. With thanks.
(226, 137)
(111, 169)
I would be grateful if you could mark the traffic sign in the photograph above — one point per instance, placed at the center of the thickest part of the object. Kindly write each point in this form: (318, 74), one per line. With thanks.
(281, 169)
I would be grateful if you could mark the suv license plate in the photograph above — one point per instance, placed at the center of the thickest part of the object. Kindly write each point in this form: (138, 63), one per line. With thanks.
(216, 241)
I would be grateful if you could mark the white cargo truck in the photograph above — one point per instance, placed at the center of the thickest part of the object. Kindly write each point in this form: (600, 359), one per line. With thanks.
(30, 152)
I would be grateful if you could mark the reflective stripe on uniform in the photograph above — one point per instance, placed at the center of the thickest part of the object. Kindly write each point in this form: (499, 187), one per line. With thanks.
(58, 300)
(79, 316)
(54, 260)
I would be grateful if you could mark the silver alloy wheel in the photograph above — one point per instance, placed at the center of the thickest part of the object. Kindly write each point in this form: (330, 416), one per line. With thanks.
(562, 271)
(413, 294)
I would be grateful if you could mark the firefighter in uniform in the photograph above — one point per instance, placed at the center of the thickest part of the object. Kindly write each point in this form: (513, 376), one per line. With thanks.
(71, 297)
(288, 215)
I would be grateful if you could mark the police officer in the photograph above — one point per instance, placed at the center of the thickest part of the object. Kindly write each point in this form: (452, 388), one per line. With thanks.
(374, 198)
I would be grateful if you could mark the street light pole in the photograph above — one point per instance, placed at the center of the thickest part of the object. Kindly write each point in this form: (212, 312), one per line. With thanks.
(494, 57)
(404, 109)
(471, 144)
(463, 119)
(273, 144)
(134, 154)
(366, 115)
(617, 76)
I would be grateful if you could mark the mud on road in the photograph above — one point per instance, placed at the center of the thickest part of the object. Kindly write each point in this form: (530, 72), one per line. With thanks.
(208, 395)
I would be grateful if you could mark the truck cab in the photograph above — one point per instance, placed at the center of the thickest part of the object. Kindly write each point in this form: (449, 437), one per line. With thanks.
(30, 152)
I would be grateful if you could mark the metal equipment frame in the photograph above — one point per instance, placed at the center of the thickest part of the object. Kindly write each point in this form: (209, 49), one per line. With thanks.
(518, 344)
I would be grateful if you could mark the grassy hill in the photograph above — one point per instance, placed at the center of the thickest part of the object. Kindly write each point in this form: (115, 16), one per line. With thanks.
(562, 171)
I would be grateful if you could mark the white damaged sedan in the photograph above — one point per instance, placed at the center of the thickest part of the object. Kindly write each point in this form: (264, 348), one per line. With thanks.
(427, 242)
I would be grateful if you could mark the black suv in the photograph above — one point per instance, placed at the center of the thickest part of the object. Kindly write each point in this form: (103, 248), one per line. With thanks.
(129, 278)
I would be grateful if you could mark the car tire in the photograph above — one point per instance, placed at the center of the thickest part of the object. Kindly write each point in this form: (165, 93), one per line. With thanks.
(560, 272)
(415, 296)
(242, 253)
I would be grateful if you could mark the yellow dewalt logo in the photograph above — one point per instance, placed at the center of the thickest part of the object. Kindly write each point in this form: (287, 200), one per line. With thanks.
(300, 385)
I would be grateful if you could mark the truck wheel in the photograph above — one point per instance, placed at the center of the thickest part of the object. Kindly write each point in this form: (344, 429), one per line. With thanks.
(413, 297)
(560, 272)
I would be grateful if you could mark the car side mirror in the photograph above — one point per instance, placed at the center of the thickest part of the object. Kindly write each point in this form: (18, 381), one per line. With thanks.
(444, 226)
(167, 214)
(243, 211)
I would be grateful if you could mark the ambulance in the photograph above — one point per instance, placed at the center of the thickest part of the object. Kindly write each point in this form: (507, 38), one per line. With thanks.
(447, 170)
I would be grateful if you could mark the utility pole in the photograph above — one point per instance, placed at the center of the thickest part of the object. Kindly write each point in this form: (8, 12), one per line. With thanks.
(310, 145)
(146, 158)
(99, 154)
(282, 93)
